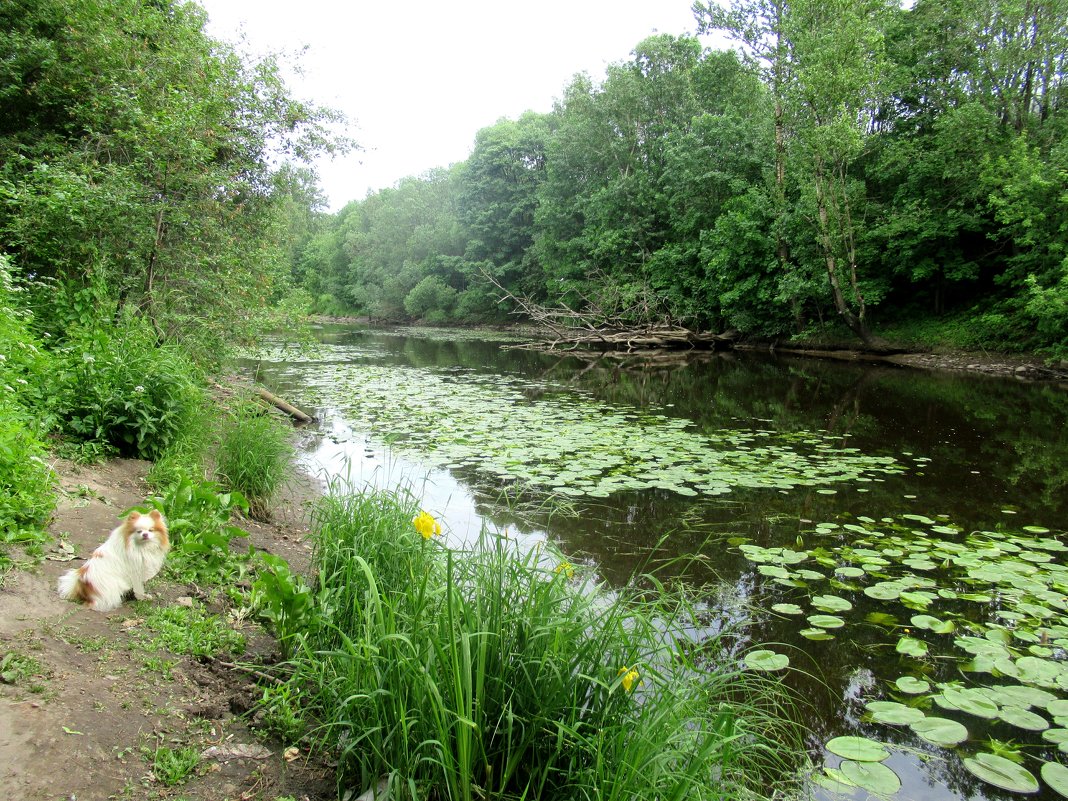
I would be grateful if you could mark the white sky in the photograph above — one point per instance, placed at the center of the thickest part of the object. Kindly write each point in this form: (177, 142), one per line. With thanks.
(418, 79)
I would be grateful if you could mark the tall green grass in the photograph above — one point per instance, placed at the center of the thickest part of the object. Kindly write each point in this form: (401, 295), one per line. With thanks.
(496, 673)
(253, 456)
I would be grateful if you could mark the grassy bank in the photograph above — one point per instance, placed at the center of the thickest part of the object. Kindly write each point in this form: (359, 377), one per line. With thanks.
(496, 673)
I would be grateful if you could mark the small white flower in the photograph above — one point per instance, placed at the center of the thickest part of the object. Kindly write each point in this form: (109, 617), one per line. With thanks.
(22, 381)
(3, 358)
(139, 388)
(46, 335)
(9, 388)
(88, 358)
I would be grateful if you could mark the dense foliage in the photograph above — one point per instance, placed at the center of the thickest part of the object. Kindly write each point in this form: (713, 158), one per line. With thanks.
(151, 195)
(853, 162)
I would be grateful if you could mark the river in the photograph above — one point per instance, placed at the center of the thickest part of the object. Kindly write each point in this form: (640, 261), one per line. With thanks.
(896, 534)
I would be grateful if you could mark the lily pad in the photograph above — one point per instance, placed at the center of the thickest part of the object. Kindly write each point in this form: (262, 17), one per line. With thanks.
(766, 660)
(1056, 776)
(969, 700)
(826, 621)
(872, 776)
(1023, 718)
(831, 603)
(860, 749)
(910, 646)
(912, 685)
(940, 731)
(894, 713)
(787, 609)
(1001, 772)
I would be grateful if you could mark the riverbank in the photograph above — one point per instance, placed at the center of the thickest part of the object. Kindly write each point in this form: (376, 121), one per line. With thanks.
(118, 705)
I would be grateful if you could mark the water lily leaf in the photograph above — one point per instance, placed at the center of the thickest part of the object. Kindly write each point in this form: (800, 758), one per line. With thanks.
(881, 619)
(971, 701)
(872, 776)
(910, 646)
(911, 685)
(1023, 718)
(1056, 776)
(766, 660)
(1001, 772)
(1056, 707)
(849, 572)
(1034, 670)
(834, 780)
(1056, 736)
(816, 634)
(860, 749)
(1022, 696)
(933, 624)
(893, 713)
(831, 603)
(787, 609)
(940, 731)
(826, 621)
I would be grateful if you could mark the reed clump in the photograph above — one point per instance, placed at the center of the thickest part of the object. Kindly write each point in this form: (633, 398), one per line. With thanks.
(502, 673)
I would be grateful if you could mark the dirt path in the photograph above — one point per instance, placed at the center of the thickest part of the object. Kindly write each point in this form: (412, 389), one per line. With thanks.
(91, 705)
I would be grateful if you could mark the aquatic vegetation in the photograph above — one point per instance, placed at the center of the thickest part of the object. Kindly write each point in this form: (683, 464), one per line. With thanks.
(512, 430)
(993, 605)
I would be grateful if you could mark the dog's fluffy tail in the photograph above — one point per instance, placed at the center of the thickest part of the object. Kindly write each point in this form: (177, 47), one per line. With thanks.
(73, 586)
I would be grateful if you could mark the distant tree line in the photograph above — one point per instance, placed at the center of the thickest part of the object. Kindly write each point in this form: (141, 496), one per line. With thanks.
(851, 165)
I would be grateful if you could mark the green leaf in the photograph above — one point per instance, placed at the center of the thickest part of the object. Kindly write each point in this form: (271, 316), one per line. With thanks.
(910, 646)
(826, 621)
(872, 776)
(831, 603)
(1023, 718)
(787, 609)
(860, 749)
(940, 731)
(912, 685)
(1001, 772)
(894, 713)
(1056, 776)
(766, 660)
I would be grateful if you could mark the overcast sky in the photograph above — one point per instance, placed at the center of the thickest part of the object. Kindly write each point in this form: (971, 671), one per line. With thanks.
(418, 79)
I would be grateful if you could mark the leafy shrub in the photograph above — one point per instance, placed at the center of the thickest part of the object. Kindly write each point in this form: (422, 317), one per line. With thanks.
(115, 386)
(283, 598)
(253, 456)
(280, 713)
(198, 520)
(26, 496)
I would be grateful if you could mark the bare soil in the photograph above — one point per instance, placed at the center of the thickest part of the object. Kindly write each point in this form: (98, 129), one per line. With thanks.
(86, 724)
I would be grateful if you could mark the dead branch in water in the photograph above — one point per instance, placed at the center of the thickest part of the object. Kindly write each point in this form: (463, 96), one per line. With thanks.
(640, 325)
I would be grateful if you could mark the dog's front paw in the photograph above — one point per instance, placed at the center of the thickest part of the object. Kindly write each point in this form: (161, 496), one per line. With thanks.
(143, 596)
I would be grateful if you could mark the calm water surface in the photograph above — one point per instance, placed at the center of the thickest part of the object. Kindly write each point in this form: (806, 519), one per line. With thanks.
(977, 453)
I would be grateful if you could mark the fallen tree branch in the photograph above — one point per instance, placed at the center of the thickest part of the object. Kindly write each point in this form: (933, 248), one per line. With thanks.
(638, 327)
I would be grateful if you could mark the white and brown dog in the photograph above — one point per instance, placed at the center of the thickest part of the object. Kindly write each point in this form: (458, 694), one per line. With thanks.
(131, 555)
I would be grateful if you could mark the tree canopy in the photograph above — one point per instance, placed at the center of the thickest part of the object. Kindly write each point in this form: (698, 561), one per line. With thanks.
(852, 163)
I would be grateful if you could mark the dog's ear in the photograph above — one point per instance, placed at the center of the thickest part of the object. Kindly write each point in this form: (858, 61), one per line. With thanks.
(132, 517)
(155, 515)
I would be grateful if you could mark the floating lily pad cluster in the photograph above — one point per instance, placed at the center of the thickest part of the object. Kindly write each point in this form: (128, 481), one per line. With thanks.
(993, 602)
(518, 431)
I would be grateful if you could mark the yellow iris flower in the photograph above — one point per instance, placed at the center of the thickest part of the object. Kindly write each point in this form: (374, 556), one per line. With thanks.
(630, 676)
(426, 525)
(566, 568)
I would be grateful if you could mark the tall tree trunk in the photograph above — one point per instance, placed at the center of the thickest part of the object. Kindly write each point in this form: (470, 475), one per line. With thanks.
(853, 320)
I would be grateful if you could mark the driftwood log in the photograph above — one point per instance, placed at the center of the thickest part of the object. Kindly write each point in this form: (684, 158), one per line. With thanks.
(286, 407)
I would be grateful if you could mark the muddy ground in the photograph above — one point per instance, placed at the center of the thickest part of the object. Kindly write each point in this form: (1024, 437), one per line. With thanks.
(87, 701)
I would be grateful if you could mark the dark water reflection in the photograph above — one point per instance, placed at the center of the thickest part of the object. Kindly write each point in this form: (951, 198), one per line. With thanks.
(986, 452)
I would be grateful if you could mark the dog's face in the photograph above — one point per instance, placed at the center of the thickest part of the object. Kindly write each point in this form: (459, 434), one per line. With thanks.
(147, 529)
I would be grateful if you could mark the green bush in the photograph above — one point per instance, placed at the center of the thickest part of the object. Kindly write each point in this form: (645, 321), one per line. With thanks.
(198, 520)
(117, 387)
(253, 456)
(26, 496)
